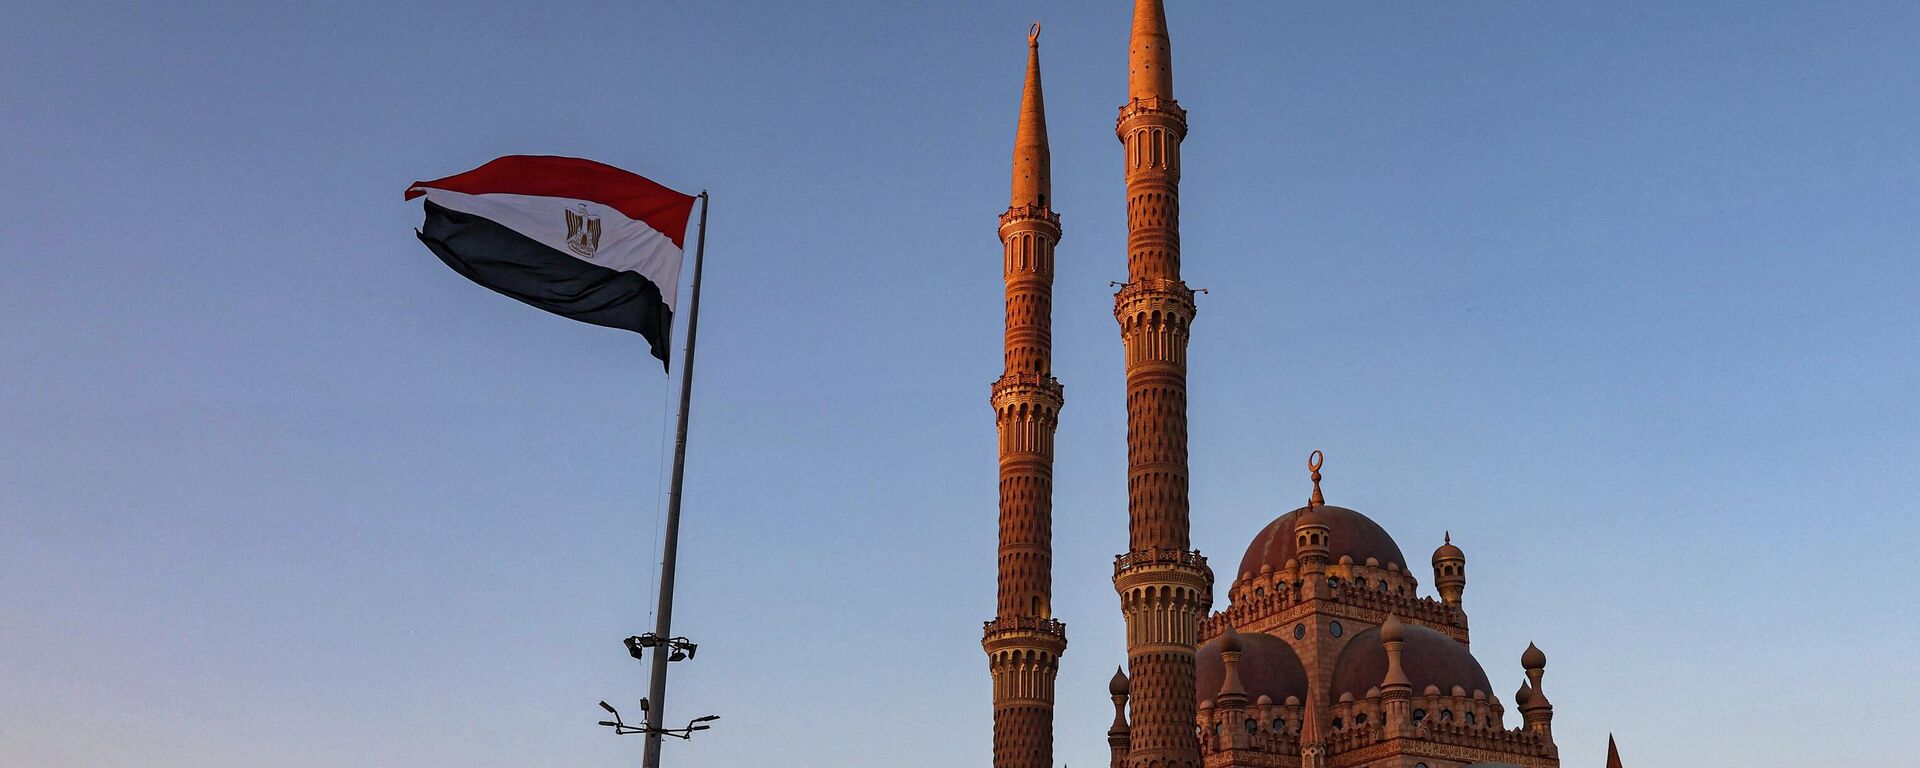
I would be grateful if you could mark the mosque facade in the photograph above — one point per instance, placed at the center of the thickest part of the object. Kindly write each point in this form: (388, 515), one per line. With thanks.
(1326, 655)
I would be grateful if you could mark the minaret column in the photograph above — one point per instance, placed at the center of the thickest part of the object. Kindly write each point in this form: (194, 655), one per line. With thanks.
(1165, 588)
(1024, 642)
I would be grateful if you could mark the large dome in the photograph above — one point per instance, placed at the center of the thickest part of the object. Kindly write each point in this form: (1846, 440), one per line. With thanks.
(1268, 667)
(1429, 658)
(1349, 533)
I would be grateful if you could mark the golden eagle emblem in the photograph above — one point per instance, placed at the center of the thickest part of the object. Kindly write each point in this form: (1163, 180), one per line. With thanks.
(583, 231)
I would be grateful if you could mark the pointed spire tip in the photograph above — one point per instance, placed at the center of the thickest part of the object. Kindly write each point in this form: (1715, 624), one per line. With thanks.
(1032, 161)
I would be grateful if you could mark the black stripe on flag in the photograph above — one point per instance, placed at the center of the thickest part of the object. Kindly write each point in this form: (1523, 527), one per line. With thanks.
(520, 267)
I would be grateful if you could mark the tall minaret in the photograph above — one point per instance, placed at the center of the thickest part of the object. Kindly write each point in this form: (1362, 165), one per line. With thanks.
(1164, 588)
(1024, 642)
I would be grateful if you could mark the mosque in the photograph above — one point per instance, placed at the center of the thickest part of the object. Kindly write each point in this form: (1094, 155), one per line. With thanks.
(1326, 655)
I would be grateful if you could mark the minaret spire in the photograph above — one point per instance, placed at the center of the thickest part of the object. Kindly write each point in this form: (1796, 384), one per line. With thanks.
(1032, 163)
(1164, 587)
(1150, 69)
(1024, 642)
(1313, 748)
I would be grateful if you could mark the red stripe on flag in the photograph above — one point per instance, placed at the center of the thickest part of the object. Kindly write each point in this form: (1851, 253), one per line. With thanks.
(636, 196)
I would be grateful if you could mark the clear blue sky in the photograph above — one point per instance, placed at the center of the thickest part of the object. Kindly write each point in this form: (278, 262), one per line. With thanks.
(1625, 297)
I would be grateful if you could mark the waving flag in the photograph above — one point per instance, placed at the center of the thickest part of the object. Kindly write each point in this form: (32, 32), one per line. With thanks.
(574, 237)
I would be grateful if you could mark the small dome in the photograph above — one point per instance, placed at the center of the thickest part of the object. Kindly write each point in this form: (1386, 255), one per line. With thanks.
(1230, 641)
(1351, 534)
(1309, 516)
(1524, 696)
(1268, 667)
(1118, 685)
(1429, 659)
(1448, 551)
(1534, 658)
(1393, 631)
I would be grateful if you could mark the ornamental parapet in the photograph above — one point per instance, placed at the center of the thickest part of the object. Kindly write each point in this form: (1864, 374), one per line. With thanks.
(1053, 627)
(1026, 632)
(1495, 746)
(1039, 213)
(1141, 558)
(1274, 731)
(1152, 105)
(1028, 387)
(1257, 734)
(1263, 612)
(1153, 293)
(1517, 741)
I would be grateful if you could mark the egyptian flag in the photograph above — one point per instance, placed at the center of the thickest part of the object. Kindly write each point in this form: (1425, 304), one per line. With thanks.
(574, 237)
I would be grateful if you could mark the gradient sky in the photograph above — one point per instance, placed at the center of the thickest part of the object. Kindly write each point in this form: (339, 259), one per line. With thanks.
(1625, 297)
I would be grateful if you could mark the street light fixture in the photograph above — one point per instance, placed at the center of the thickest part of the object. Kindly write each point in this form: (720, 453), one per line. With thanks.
(678, 648)
(620, 728)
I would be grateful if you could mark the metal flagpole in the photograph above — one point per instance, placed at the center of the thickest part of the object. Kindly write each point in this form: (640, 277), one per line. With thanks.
(663, 626)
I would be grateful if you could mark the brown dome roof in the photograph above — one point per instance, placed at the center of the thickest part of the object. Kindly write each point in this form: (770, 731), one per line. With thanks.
(1268, 667)
(1429, 658)
(1351, 533)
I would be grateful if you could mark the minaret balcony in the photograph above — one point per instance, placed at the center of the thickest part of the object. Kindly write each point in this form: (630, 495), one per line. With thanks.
(1152, 105)
(1029, 388)
(1141, 558)
(1151, 293)
(1027, 632)
(1021, 213)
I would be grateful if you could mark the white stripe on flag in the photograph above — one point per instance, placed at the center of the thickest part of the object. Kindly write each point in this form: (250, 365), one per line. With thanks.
(625, 244)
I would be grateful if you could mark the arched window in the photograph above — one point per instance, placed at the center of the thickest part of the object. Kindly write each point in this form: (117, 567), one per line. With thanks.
(1338, 724)
(1252, 725)
(1279, 725)
(1419, 715)
(1446, 715)
(1472, 719)
(1360, 719)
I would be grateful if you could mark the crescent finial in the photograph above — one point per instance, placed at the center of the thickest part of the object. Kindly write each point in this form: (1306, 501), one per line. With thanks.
(1314, 461)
